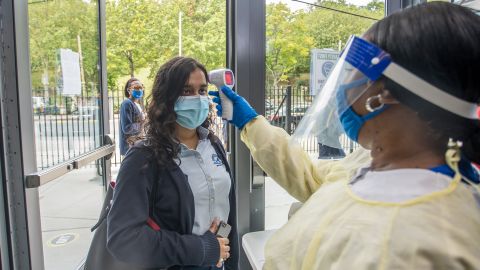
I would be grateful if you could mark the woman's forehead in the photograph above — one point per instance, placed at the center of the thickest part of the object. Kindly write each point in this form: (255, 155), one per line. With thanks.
(135, 83)
(197, 78)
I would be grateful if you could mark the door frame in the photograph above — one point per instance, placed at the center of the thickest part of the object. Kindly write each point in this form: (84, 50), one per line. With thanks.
(246, 57)
(22, 217)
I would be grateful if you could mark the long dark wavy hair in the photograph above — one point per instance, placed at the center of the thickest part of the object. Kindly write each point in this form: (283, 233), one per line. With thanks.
(169, 83)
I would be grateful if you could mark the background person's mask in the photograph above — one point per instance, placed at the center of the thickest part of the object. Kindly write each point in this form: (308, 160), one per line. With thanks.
(137, 94)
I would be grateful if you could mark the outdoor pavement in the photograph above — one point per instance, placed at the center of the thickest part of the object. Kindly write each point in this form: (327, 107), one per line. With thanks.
(70, 206)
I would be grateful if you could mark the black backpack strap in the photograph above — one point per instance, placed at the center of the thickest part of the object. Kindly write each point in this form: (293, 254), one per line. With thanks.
(153, 195)
(109, 196)
(103, 216)
(107, 204)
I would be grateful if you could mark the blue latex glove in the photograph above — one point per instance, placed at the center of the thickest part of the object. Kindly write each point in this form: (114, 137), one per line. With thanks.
(242, 111)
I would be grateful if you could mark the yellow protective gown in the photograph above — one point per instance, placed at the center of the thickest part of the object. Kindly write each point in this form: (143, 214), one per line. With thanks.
(335, 229)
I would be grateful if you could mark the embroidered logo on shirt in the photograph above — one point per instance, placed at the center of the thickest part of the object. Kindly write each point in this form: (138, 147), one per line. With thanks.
(216, 160)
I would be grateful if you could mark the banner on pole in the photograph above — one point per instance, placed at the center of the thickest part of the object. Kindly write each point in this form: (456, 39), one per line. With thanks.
(322, 62)
(70, 82)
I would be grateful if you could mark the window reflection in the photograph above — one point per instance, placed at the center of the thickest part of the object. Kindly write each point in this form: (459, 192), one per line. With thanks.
(64, 61)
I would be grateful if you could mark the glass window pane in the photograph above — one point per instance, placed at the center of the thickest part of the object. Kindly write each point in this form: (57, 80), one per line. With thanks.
(64, 57)
(138, 43)
(65, 74)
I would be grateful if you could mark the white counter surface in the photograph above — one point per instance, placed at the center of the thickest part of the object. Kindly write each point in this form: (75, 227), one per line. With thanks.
(254, 244)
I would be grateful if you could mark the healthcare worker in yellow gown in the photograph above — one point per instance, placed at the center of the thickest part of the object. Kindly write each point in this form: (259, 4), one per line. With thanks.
(408, 199)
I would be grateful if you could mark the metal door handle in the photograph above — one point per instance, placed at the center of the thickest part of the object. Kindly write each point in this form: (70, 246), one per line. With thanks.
(42, 177)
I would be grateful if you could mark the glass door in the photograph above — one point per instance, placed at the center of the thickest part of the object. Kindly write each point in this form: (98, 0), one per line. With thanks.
(68, 126)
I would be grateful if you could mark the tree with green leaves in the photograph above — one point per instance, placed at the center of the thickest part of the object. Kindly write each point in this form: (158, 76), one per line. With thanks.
(145, 34)
(132, 35)
(292, 35)
(288, 42)
(55, 25)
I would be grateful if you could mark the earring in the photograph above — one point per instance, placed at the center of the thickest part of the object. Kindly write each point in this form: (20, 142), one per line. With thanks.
(368, 103)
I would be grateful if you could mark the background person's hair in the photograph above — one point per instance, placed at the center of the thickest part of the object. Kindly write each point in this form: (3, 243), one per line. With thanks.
(440, 43)
(168, 86)
(127, 86)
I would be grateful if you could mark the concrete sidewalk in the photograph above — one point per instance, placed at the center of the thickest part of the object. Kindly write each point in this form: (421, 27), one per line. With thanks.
(69, 207)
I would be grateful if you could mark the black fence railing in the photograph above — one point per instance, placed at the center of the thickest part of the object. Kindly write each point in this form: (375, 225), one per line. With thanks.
(285, 108)
(68, 126)
(65, 126)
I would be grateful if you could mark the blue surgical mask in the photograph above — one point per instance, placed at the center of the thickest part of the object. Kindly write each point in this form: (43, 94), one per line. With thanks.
(137, 94)
(192, 111)
(351, 121)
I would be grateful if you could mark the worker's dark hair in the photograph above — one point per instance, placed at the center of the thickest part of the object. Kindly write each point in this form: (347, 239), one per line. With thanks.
(440, 43)
(127, 86)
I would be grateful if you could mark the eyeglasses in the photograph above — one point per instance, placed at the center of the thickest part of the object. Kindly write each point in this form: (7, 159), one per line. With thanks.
(136, 87)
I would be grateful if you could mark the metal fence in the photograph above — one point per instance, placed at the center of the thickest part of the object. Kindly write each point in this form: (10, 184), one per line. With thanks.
(285, 108)
(66, 126)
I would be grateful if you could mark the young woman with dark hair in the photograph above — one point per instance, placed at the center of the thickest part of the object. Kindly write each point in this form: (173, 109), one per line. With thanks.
(179, 178)
(132, 115)
(407, 92)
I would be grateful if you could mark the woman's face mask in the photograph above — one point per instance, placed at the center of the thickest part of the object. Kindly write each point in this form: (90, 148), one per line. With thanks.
(137, 93)
(351, 121)
(192, 111)
(136, 90)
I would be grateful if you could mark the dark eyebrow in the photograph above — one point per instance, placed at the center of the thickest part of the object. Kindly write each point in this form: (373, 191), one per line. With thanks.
(189, 86)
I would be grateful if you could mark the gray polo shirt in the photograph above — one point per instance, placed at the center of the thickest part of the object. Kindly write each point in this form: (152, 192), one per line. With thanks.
(209, 181)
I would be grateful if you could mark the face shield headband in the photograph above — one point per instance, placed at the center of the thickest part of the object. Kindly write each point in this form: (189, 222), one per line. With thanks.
(360, 65)
(374, 62)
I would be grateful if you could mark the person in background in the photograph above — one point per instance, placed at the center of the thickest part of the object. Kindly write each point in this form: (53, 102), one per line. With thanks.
(407, 91)
(329, 146)
(132, 115)
(179, 178)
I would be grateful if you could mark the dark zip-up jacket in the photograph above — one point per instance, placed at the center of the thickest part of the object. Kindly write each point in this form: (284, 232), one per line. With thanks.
(130, 123)
(174, 246)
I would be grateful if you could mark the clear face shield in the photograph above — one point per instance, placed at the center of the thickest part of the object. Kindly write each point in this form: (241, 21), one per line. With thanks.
(344, 86)
(334, 125)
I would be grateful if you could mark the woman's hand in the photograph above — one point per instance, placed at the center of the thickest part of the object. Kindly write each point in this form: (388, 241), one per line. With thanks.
(223, 242)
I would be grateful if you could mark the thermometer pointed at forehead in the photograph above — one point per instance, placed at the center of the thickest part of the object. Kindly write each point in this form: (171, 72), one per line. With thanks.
(220, 77)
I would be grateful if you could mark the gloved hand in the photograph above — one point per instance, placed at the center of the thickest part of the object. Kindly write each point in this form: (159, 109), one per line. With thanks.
(242, 111)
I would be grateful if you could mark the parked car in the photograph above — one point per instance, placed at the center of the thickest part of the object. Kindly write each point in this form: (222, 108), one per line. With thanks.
(268, 106)
(52, 109)
(88, 112)
(278, 117)
(38, 104)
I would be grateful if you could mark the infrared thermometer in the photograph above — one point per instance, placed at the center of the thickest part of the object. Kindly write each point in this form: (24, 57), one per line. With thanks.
(219, 78)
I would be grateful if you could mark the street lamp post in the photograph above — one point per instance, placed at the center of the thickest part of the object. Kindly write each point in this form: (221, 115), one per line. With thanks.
(180, 33)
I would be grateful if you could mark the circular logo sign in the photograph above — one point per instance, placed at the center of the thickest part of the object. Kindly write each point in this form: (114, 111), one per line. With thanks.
(62, 239)
(326, 68)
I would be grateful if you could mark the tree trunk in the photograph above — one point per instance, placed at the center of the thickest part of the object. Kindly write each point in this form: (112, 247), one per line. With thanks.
(131, 65)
